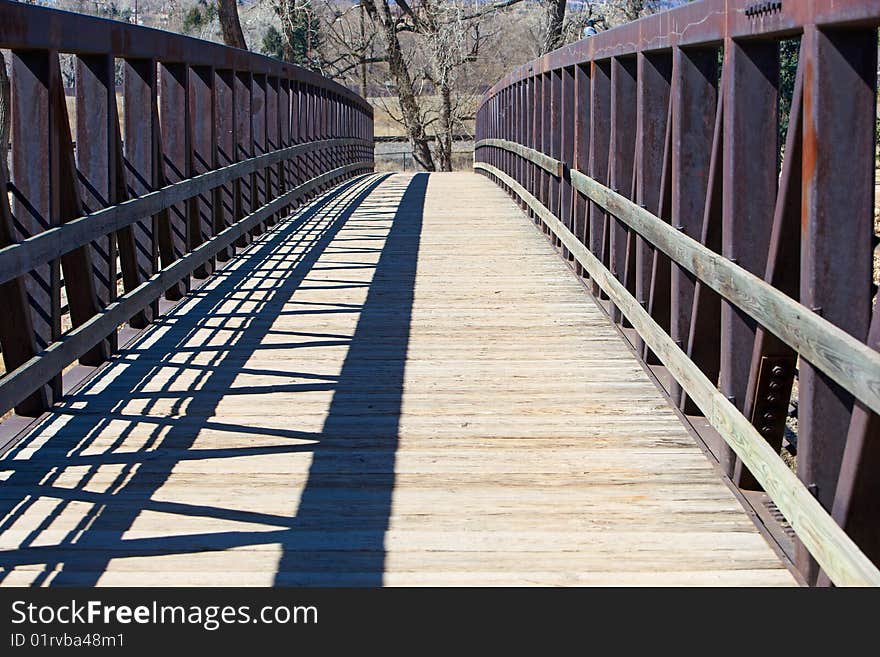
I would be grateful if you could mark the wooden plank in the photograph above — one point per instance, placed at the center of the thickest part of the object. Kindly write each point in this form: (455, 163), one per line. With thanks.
(842, 560)
(364, 404)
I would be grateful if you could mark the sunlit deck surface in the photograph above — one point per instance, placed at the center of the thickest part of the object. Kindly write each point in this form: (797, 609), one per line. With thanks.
(402, 384)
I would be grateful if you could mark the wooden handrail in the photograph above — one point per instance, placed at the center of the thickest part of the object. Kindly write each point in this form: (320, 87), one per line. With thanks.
(22, 257)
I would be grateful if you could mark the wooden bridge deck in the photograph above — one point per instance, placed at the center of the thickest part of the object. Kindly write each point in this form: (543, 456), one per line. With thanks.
(405, 385)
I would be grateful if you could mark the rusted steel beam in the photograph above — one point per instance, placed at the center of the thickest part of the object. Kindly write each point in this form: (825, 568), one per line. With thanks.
(703, 330)
(555, 185)
(96, 127)
(568, 118)
(76, 264)
(17, 335)
(174, 235)
(544, 104)
(855, 506)
(653, 88)
(600, 130)
(296, 130)
(139, 256)
(258, 144)
(201, 156)
(34, 202)
(621, 160)
(272, 139)
(660, 295)
(224, 142)
(244, 193)
(840, 79)
(283, 168)
(751, 152)
(581, 157)
(694, 98)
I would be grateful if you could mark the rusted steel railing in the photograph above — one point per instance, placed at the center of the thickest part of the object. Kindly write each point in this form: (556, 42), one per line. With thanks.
(733, 258)
(179, 153)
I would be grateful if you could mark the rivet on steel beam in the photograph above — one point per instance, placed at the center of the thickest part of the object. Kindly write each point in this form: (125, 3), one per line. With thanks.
(778, 371)
(769, 417)
(772, 399)
(767, 430)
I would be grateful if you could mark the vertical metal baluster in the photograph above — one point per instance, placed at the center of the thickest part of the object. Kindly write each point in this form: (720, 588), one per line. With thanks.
(96, 128)
(224, 126)
(751, 154)
(581, 155)
(32, 208)
(694, 97)
(140, 147)
(620, 166)
(836, 257)
(600, 131)
(653, 90)
(258, 144)
(174, 232)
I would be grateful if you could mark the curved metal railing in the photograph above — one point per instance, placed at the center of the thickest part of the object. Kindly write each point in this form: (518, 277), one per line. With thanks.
(171, 154)
(653, 156)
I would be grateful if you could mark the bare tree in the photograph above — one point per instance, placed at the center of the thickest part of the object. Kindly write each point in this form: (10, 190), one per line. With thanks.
(426, 47)
(230, 24)
(349, 47)
(412, 117)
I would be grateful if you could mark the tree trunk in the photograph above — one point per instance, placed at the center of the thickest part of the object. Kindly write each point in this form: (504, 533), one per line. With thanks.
(555, 18)
(444, 140)
(409, 108)
(227, 12)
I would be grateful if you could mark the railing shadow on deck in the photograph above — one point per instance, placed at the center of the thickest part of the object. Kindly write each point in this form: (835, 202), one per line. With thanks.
(312, 540)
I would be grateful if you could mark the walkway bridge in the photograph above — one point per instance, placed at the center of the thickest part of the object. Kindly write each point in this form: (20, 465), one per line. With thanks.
(235, 355)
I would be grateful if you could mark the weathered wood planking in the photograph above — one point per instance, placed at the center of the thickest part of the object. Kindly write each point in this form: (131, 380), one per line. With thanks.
(408, 387)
